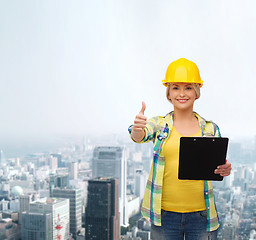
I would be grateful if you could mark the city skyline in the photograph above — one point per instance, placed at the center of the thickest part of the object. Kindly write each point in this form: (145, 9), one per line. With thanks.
(36, 177)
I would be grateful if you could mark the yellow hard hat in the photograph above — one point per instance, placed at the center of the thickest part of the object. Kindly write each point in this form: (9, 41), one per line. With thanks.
(182, 70)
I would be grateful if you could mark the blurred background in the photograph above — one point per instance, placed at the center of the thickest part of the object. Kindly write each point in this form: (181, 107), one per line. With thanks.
(73, 75)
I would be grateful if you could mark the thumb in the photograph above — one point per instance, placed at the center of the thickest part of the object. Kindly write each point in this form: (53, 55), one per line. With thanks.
(143, 108)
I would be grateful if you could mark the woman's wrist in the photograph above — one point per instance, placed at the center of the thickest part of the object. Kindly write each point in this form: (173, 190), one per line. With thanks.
(138, 136)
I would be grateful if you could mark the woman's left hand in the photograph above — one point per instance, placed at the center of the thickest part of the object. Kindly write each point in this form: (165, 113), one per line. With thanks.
(224, 170)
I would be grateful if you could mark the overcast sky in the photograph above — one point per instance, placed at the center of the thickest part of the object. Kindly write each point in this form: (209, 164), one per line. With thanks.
(79, 67)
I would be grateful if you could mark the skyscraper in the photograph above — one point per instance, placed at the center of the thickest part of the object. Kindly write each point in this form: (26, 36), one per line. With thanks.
(75, 204)
(59, 157)
(53, 162)
(58, 181)
(4, 188)
(36, 226)
(111, 162)
(24, 201)
(102, 215)
(140, 183)
(73, 170)
(49, 213)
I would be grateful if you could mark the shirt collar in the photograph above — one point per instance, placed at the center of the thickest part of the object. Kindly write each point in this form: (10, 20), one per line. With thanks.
(169, 120)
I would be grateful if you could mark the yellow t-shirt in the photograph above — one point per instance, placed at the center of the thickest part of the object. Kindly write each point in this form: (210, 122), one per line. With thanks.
(179, 195)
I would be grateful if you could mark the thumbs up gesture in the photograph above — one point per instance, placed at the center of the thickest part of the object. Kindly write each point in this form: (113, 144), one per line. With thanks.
(140, 122)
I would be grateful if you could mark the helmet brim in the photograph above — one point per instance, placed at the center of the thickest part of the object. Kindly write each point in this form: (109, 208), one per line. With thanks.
(166, 83)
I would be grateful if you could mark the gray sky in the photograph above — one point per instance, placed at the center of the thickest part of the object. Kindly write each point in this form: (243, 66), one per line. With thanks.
(78, 67)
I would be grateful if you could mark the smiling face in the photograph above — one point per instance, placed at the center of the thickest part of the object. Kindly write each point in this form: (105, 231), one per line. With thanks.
(182, 95)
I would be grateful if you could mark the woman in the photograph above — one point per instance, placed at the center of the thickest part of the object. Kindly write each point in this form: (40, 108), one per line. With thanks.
(177, 208)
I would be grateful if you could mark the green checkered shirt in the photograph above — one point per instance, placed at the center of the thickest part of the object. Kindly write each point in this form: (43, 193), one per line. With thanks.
(157, 130)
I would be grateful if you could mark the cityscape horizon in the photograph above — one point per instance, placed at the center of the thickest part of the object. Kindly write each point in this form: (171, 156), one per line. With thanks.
(75, 162)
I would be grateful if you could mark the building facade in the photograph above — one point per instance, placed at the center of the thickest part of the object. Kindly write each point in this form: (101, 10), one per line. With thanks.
(73, 170)
(36, 226)
(75, 207)
(59, 212)
(102, 215)
(111, 162)
(58, 181)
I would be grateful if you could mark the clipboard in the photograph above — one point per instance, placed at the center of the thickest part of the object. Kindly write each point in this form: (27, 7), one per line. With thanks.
(200, 156)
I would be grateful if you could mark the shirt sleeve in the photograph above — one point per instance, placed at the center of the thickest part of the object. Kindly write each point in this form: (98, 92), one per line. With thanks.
(217, 130)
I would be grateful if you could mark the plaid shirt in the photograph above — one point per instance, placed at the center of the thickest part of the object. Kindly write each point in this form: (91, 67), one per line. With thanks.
(158, 130)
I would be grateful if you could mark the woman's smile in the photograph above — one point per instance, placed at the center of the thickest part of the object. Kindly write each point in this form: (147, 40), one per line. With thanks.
(182, 100)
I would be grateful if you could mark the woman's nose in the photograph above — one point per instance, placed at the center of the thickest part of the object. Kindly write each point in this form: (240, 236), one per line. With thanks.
(182, 92)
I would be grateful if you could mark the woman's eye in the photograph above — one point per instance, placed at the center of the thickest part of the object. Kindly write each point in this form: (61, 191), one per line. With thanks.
(175, 88)
(189, 88)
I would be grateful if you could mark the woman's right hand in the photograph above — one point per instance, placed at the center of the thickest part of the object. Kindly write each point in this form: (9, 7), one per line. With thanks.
(140, 122)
